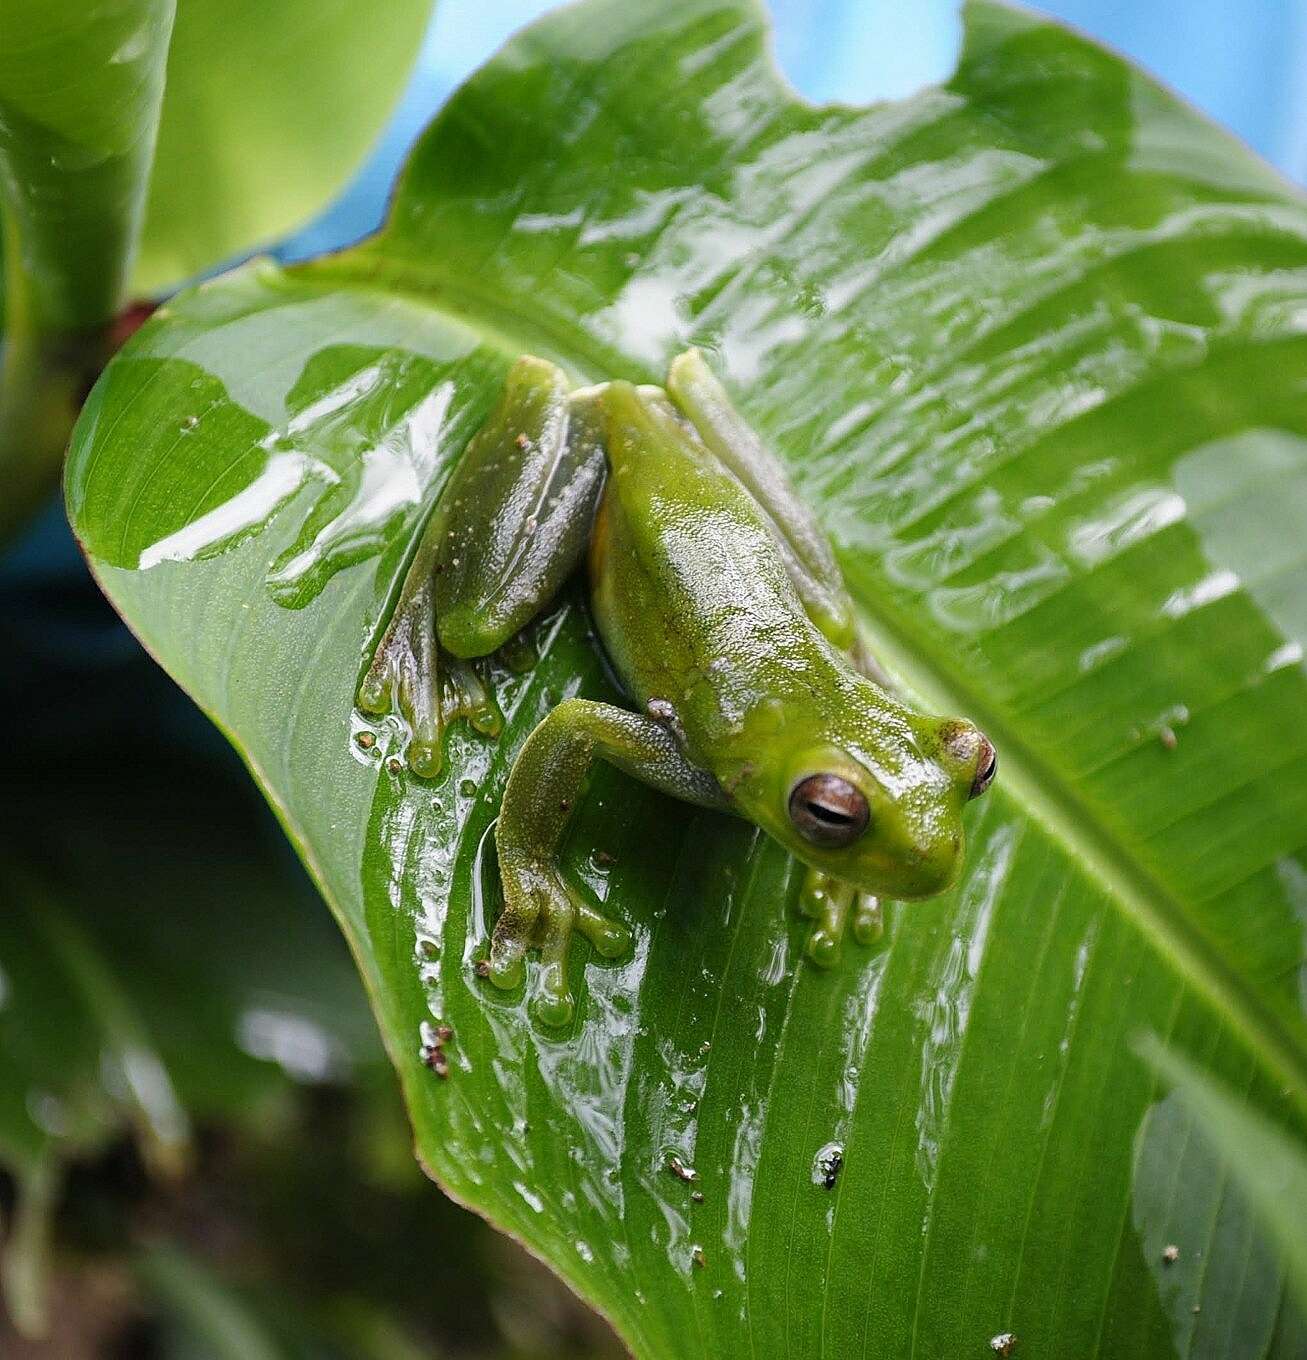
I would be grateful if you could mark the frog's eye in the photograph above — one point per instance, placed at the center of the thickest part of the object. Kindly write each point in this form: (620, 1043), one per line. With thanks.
(828, 811)
(986, 768)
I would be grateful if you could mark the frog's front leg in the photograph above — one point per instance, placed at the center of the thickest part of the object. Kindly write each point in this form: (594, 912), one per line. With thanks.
(834, 906)
(541, 909)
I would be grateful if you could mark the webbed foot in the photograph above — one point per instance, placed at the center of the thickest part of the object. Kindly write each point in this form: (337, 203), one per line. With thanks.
(412, 672)
(834, 906)
(541, 911)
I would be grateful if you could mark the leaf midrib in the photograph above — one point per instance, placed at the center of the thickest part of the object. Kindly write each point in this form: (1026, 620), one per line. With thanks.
(1037, 786)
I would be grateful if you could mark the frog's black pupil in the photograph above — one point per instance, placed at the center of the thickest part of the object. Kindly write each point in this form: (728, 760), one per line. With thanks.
(831, 815)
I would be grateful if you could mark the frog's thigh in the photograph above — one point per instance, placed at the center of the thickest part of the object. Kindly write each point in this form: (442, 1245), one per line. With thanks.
(510, 525)
(541, 909)
(515, 517)
(804, 547)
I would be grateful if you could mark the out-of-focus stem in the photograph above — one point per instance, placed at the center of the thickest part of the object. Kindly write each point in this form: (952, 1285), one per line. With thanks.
(81, 89)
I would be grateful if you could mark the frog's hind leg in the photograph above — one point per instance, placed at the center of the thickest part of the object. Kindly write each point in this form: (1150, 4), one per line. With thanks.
(514, 520)
(834, 906)
(803, 545)
(431, 689)
(805, 549)
(541, 909)
(510, 525)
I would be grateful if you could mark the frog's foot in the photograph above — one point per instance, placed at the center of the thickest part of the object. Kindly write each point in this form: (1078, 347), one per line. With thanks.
(541, 911)
(410, 671)
(833, 906)
(465, 695)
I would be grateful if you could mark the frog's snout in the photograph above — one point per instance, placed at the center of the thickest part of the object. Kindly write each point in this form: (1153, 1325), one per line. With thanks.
(931, 865)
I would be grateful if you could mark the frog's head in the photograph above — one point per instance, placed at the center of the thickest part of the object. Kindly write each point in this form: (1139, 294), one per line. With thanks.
(875, 797)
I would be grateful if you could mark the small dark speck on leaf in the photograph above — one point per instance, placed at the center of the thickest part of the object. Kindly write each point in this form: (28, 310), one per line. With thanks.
(603, 857)
(433, 1052)
(367, 740)
(696, 1196)
(483, 968)
(436, 1059)
(827, 1165)
(522, 442)
(394, 765)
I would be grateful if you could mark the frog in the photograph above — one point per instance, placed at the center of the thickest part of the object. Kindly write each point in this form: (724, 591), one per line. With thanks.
(720, 605)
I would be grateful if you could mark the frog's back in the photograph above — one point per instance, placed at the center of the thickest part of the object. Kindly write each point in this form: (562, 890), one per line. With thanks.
(690, 593)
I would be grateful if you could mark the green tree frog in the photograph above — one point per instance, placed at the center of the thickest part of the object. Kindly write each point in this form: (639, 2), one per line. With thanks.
(724, 614)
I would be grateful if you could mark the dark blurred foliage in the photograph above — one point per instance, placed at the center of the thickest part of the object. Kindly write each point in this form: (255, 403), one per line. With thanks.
(205, 1150)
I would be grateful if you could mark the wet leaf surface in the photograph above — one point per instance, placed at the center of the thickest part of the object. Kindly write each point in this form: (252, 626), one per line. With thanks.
(1033, 343)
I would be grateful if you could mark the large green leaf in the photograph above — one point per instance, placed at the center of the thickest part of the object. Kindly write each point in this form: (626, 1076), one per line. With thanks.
(269, 109)
(1035, 345)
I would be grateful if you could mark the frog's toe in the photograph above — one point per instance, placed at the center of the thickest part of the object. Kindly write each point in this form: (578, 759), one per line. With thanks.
(519, 653)
(609, 938)
(506, 964)
(513, 935)
(823, 948)
(542, 911)
(551, 1002)
(868, 919)
(403, 674)
(425, 757)
(411, 673)
(379, 687)
(826, 901)
(465, 695)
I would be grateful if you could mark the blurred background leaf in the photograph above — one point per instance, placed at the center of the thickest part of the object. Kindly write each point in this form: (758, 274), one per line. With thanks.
(268, 112)
(195, 1114)
(80, 92)
(1266, 1168)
